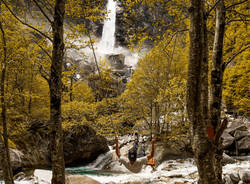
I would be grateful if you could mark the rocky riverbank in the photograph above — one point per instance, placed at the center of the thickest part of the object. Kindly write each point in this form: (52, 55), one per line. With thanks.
(81, 146)
(177, 171)
(174, 164)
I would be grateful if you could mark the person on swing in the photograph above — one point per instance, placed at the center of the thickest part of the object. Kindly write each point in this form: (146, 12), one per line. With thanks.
(132, 163)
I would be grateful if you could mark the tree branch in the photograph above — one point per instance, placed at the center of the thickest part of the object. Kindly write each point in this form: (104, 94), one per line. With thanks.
(24, 23)
(237, 20)
(225, 64)
(236, 12)
(47, 5)
(173, 35)
(211, 9)
(93, 50)
(241, 2)
(220, 131)
(44, 14)
(46, 52)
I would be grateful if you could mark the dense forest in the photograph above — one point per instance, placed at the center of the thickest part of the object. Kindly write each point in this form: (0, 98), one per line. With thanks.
(193, 72)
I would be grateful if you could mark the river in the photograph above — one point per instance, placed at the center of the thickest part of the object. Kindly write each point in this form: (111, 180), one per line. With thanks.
(171, 171)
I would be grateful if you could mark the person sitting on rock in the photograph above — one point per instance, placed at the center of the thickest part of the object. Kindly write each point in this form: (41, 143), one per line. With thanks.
(132, 163)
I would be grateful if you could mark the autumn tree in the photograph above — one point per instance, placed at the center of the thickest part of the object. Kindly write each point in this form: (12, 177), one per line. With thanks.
(235, 56)
(5, 155)
(207, 132)
(146, 21)
(154, 94)
(235, 91)
(13, 49)
(224, 17)
(55, 84)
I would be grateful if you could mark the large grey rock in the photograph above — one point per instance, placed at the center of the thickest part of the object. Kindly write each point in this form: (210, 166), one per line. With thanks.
(228, 180)
(235, 123)
(116, 60)
(228, 140)
(16, 158)
(232, 130)
(234, 177)
(81, 146)
(245, 175)
(240, 134)
(236, 137)
(79, 179)
(244, 144)
(227, 159)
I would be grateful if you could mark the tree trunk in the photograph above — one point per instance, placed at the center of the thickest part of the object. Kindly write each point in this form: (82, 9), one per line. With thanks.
(4, 147)
(196, 85)
(57, 155)
(216, 83)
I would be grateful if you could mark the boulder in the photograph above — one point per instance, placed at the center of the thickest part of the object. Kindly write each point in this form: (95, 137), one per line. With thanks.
(19, 176)
(81, 146)
(42, 176)
(79, 179)
(116, 60)
(227, 159)
(244, 144)
(35, 146)
(228, 140)
(16, 158)
(232, 130)
(234, 177)
(234, 123)
(236, 139)
(245, 175)
(228, 180)
(240, 134)
(171, 150)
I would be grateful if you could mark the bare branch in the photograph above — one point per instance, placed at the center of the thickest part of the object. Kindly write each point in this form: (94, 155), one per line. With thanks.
(241, 2)
(236, 12)
(211, 9)
(173, 35)
(93, 50)
(42, 11)
(225, 64)
(47, 5)
(237, 20)
(24, 23)
(45, 51)
(47, 2)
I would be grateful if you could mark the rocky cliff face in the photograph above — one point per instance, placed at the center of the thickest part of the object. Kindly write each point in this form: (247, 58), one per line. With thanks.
(81, 146)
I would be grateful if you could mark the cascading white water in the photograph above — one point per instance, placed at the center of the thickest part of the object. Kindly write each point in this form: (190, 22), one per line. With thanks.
(106, 45)
(108, 33)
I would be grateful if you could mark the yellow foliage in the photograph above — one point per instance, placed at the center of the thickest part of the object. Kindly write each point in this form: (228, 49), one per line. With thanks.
(236, 86)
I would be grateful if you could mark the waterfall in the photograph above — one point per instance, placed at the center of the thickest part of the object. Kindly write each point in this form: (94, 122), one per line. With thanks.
(108, 33)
